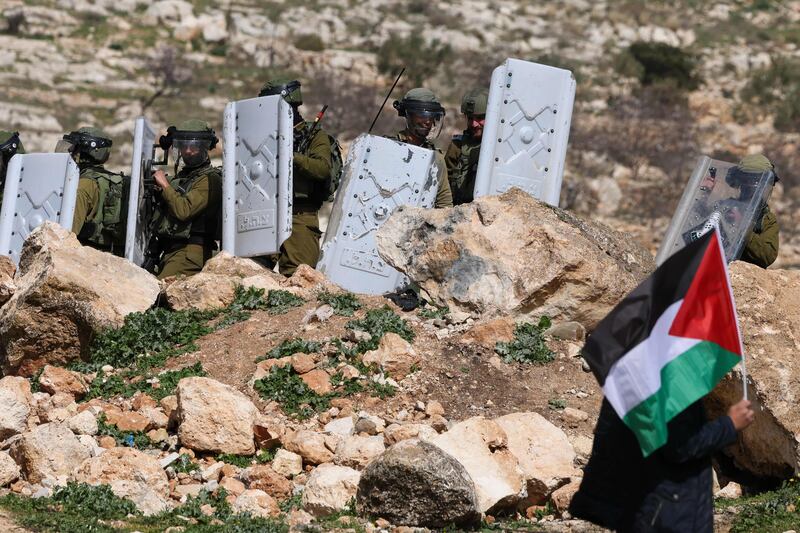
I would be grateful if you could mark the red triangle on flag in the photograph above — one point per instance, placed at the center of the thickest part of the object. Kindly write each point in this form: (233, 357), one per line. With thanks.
(707, 312)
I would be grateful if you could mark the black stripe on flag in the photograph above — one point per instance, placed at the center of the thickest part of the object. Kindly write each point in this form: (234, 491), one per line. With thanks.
(631, 321)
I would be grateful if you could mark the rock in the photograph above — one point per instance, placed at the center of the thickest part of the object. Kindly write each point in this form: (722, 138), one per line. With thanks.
(439, 423)
(90, 443)
(365, 425)
(543, 451)
(488, 333)
(329, 489)
(309, 445)
(84, 423)
(394, 356)
(562, 496)
(232, 485)
(574, 415)
(731, 491)
(341, 426)
(66, 293)
(127, 420)
(202, 291)
(356, 452)
(107, 442)
(287, 463)
(480, 445)
(267, 433)
(214, 417)
(486, 257)
(7, 285)
(768, 305)
(318, 381)
(55, 379)
(303, 363)
(48, 451)
(396, 433)
(263, 477)
(131, 474)
(567, 331)
(9, 471)
(156, 419)
(170, 406)
(434, 408)
(240, 267)
(416, 483)
(16, 403)
(306, 277)
(257, 503)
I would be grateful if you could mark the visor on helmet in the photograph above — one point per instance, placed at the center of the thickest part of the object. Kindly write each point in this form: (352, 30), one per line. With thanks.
(283, 90)
(193, 152)
(10, 146)
(78, 142)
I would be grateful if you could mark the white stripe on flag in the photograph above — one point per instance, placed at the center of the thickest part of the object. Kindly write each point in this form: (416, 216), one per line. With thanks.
(637, 375)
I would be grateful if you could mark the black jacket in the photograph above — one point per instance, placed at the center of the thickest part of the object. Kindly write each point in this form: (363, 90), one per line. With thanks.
(670, 491)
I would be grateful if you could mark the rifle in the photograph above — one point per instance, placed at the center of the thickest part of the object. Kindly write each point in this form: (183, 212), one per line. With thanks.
(305, 142)
(152, 249)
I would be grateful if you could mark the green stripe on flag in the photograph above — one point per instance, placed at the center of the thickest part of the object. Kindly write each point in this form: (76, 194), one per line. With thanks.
(684, 380)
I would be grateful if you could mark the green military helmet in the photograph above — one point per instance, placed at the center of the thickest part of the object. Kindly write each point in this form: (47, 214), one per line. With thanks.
(749, 168)
(475, 102)
(10, 144)
(419, 100)
(288, 88)
(191, 139)
(91, 143)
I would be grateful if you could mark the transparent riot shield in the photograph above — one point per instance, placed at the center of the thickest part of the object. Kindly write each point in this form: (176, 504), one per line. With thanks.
(527, 127)
(257, 176)
(38, 187)
(379, 175)
(718, 193)
(141, 187)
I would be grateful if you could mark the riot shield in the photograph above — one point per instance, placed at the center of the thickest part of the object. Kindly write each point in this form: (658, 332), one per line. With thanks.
(257, 176)
(38, 187)
(527, 127)
(139, 201)
(718, 193)
(379, 175)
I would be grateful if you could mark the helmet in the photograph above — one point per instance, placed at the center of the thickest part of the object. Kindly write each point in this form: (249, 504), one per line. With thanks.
(191, 140)
(422, 111)
(475, 102)
(749, 169)
(91, 143)
(288, 88)
(10, 144)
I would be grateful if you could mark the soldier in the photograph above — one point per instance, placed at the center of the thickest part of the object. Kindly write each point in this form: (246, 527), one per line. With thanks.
(423, 112)
(316, 169)
(462, 154)
(761, 245)
(187, 221)
(9, 145)
(99, 219)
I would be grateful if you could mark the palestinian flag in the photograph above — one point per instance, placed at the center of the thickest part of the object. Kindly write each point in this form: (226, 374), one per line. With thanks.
(669, 342)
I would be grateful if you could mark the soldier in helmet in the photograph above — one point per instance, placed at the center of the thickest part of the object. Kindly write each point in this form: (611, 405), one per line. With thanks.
(423, 113)
(315, 162)
(9, 146)
(99, 219)
(462, 154)
(187, 221)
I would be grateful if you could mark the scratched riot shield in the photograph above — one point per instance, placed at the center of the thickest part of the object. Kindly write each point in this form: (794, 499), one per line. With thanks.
(718, 193)
(257, 176)
(39, 187)
(139, 196)
(526, 132)
(379, 175)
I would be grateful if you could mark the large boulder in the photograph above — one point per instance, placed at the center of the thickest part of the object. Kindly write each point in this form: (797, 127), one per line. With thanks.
(131, 474)
(65, 294)
(416, 483)
(481, 446)
(16, 402)
(214, 417)
(329, 489)
(49, 451)
(357, 451)
(514, 255)
(768, 304)
(7, 285)
(309, 445)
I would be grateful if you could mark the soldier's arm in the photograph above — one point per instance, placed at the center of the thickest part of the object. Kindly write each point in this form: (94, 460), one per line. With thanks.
(187, 206)
(451, 157)
(444, 196)
(316, 164)
(762, 248)
(87, 198)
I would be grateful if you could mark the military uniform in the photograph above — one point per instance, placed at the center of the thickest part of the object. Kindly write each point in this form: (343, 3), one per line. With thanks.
(99, 214)
(10, 145)
(444, 197)
(461, 159)
(763, 241)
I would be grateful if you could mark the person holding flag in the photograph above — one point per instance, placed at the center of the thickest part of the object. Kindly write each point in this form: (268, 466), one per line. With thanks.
(661, 349)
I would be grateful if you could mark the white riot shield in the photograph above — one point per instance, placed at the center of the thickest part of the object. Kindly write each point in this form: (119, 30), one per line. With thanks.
(718, 193)
(527, 127)
(39, 187)
(136, 237)
(379, 175)
(257, 176)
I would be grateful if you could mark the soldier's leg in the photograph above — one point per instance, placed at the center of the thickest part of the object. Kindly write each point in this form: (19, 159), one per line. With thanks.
(187, 260)
(302, 248)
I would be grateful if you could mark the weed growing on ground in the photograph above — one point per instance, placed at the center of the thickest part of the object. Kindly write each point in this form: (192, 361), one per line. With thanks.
(183, 464)
(243, 461)
(120, 385)
(433, 311)
(528, 345)
(284, 386)
(344, 304)
(557, 404)
(293, 502)
(378, 322)
(244, 301)
(291, 347)
(279, 302)
(133, 439)
(773, 511)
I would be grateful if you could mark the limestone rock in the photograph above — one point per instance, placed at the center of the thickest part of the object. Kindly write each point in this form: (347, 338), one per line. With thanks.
(84, 423)
(202, 291)
(394, 356)
(9, 471)
(416, 483)
(306, 277)
(397, 433)
(329, 489)
(318, 381)
(287, 463)
(7, 285)
(66, 293)
(131, 474)
(257, 503)
(215, 417)
(343, 426)
(562, 496)
(16, 403)
(227, 265)
(309, 445)
(486, 257)
(48, 451)
(263, 477)
(489, 332)
(356, 451)
(481, 446)
(56, 379)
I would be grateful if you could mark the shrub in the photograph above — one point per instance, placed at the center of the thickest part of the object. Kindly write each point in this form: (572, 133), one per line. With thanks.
(309, 41)
(528, 345)
(420, 58)
(776, 89)
(659, 63)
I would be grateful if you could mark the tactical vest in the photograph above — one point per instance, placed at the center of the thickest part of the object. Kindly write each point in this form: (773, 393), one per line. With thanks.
(106, 229)
(202, 229)
(318, 192)
(462, 176)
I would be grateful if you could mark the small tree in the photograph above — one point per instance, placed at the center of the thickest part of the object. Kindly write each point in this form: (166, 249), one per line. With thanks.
(170, 76)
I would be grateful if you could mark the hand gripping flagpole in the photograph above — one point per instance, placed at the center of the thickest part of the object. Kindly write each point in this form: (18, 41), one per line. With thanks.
(733, 303)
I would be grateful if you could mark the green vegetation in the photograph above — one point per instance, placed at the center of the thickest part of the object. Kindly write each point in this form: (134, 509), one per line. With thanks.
(344, 304)
(291, 347)
(133, 439)
(243, 461)
(659, 64)
(378, 322)
(309, 41)
(528, 345)
(770, 512)
(279, 302)
(284, 386)
(421, 59)
(776, 90)
(557, 404)
(121, 385)
(184, 464)
(433, 311)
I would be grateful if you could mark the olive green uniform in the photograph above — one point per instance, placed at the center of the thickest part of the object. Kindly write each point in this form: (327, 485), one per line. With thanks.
(462, 166)
(761, 245)
(98, 209)
(444, 198)
(189, 220)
